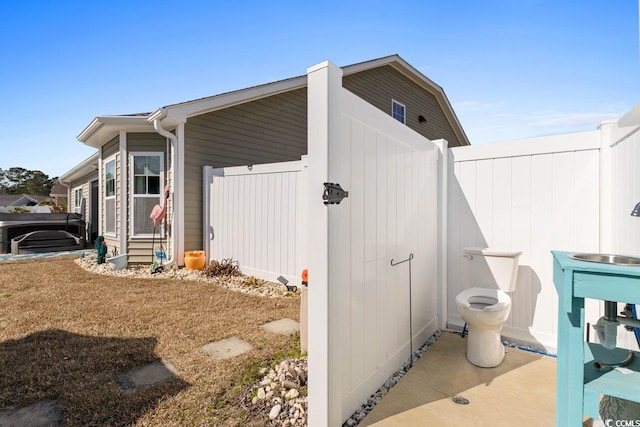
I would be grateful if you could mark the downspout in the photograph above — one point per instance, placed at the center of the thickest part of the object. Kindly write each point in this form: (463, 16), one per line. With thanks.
(174, 143)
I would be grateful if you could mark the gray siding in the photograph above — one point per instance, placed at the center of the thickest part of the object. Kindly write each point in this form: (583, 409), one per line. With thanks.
(140, 249)
(379, 86)
(268, 130)
(111, 147)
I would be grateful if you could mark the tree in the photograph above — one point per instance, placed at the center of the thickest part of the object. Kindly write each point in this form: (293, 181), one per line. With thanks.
(18, 180)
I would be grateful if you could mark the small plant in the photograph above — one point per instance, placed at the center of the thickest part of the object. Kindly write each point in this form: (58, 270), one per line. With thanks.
(19, 210)
(253, 282)
(225, 267)
(55, 206)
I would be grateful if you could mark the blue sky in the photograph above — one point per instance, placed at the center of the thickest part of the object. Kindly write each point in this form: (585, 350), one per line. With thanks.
(510, 68)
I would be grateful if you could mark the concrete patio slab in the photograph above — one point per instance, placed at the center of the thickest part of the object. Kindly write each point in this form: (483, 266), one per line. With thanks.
(520, 391)
(282, 326)
(40, 414)
(144, 376)
(226, 348)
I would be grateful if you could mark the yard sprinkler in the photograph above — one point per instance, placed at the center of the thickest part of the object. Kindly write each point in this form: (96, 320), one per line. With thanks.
(285, 282)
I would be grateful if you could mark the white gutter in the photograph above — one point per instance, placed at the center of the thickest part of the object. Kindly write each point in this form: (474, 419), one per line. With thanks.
(174, 144)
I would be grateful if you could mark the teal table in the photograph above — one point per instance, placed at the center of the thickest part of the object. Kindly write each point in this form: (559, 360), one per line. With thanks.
(579, 384)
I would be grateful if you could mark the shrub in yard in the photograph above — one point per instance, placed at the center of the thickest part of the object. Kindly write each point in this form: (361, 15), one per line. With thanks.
(225, 267)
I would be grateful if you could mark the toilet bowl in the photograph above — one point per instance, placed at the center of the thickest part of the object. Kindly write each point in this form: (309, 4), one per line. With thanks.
(486, 305)
(485, 311)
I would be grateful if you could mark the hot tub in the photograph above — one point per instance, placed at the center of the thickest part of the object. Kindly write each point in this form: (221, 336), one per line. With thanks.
(16, 224)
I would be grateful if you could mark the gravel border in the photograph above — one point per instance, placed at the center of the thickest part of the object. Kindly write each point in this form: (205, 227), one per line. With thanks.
(245, 284)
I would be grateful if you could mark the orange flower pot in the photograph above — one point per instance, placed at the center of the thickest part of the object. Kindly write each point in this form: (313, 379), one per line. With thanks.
(194, 260)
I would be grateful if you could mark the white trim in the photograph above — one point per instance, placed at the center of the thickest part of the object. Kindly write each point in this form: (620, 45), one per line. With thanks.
(404, 111)
(178, 195)
(122, 136)
(443, 170)
(132, 195)
(104, 197)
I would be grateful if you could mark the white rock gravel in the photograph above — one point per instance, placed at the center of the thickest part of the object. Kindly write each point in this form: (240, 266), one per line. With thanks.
(244, 284)
(282, 392)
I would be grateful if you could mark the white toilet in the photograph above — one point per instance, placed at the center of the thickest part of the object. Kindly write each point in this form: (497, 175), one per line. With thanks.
(486, 306)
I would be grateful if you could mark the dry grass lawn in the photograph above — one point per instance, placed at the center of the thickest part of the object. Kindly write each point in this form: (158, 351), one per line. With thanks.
(66, 333)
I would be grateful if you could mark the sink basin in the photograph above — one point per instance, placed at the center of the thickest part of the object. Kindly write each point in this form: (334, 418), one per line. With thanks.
(608, 259)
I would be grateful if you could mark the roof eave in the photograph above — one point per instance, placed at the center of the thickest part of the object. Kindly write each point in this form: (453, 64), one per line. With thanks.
(86, 167)
(173, 115)
(104, 128)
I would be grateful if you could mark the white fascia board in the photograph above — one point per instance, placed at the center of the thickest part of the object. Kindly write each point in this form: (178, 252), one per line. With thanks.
(84, 168)
(578, 141)
(104, 128)
(179, 113)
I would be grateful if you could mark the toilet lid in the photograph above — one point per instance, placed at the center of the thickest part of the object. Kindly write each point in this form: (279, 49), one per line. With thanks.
(493, 298)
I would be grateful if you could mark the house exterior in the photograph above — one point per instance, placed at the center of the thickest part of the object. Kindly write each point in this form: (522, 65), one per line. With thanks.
(81, 183)
(13, 200)
(138, 155)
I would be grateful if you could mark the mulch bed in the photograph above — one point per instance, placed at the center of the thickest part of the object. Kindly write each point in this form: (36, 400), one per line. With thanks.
(66, 334)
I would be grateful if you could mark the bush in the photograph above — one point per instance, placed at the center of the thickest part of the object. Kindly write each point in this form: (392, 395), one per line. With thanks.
(225, 267)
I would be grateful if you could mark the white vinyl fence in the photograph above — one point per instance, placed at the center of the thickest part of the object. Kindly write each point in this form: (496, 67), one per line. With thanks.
(257, 216)
(534, 196)
(359, 304)
(566, 192)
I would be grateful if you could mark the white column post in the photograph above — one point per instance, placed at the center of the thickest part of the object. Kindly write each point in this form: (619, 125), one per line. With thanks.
(443, 174)
(178, 194)
(122, 194)
(324, 83)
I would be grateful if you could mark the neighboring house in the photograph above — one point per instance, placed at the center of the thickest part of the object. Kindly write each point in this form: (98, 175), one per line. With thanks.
(138, 155)
(12, 200)
(59, 193)
(81, 183)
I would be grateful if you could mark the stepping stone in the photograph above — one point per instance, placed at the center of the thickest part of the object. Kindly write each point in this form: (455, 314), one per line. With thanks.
(144, 376)
(227, 348)
(282, 327)
(40, 414)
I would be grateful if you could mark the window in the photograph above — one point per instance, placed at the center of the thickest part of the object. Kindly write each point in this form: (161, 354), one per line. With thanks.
(146, 183)
(77, 199)
(110, 197)
(398, 111)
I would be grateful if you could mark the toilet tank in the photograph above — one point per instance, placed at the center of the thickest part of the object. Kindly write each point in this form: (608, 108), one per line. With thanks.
(492, 268)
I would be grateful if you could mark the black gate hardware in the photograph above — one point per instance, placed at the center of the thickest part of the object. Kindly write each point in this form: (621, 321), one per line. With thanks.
(333, 194)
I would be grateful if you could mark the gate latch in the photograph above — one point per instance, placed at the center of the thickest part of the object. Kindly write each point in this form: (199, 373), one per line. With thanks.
(333, 193)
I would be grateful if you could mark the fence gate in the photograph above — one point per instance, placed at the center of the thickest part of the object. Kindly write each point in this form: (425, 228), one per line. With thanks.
(359, 304)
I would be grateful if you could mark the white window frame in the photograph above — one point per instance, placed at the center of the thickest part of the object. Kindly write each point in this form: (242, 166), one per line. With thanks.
(404, 110)
(133, 196)
(112, 197)
(77, 199)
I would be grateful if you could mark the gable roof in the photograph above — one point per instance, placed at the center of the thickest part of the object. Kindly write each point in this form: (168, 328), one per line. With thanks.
(104, 128)
(21, 199)
(88, 166)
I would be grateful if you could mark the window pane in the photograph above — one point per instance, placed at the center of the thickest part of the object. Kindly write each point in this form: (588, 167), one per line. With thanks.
(111, 188)
(139, 165)
(142, 207)
(110, 169)
(153, 165)
(110, 216)
(139, 185)
(110, 178)
(153, 185)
